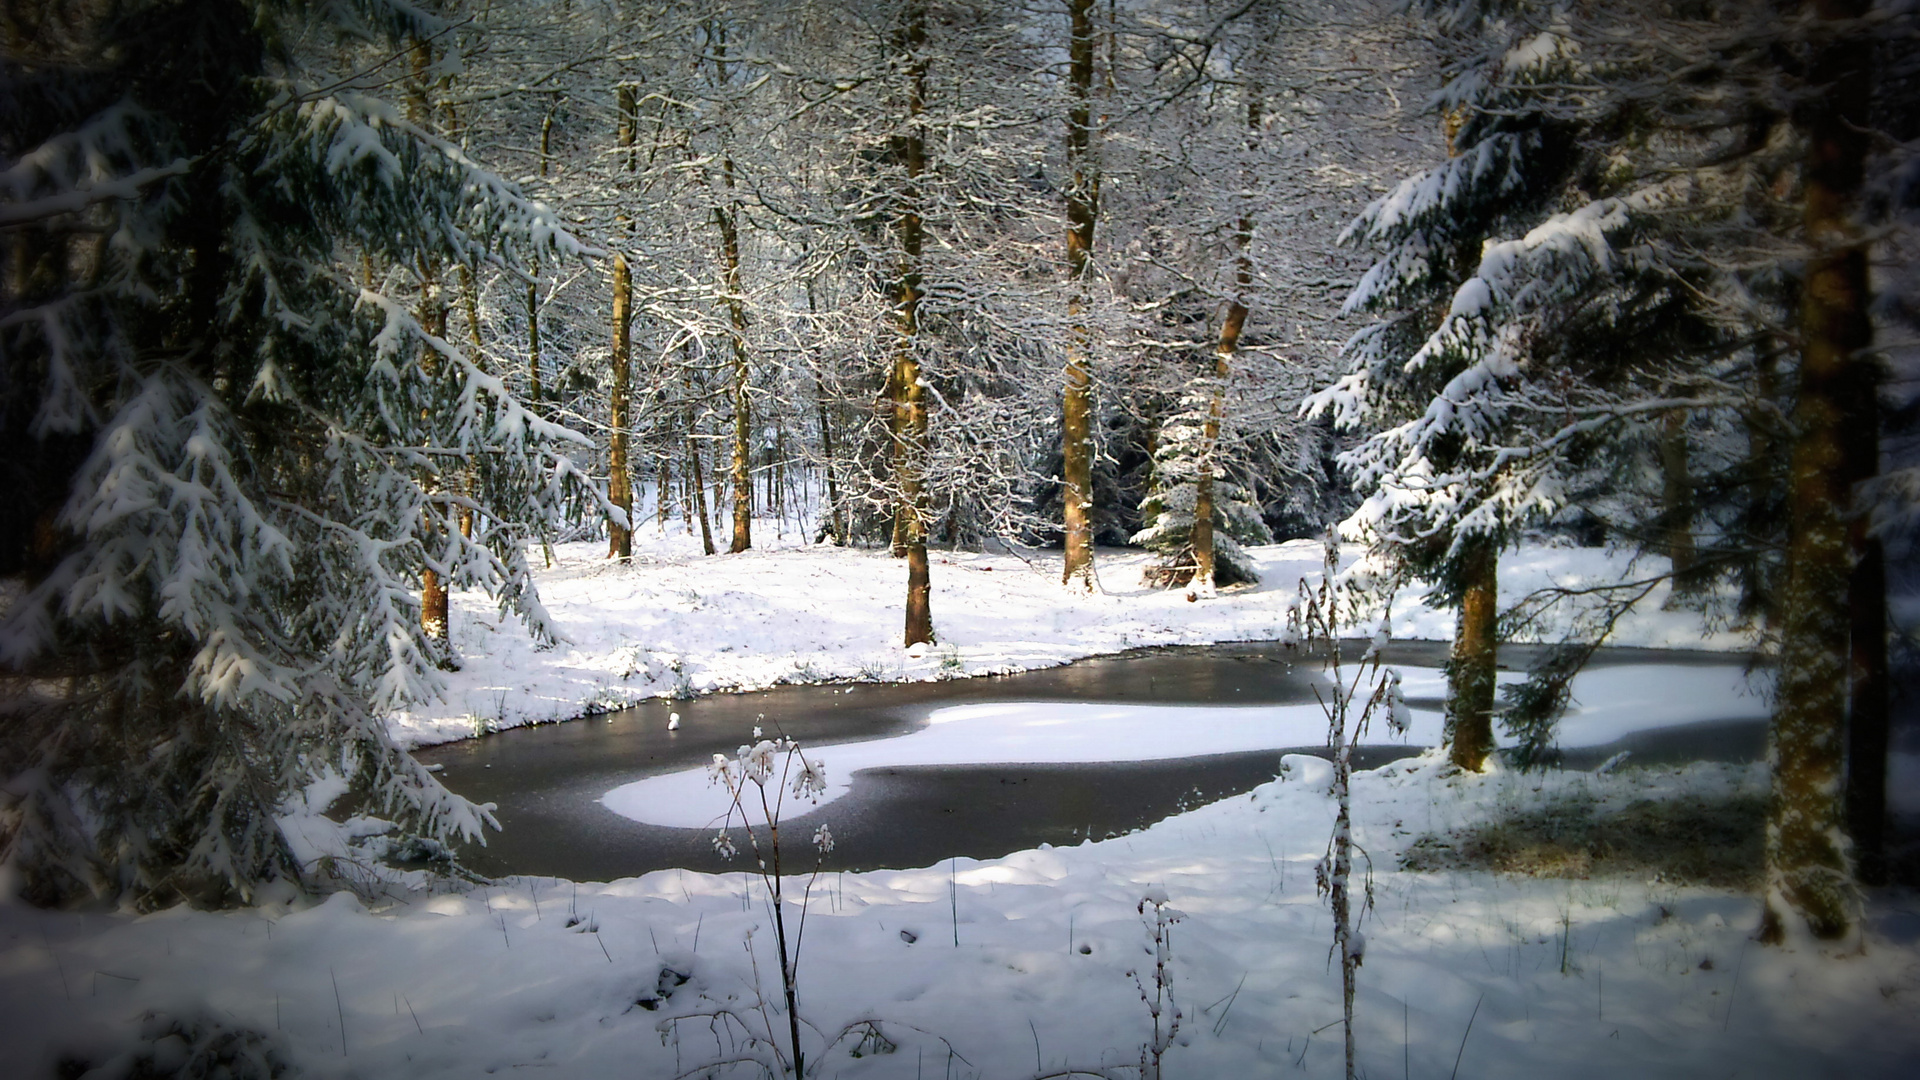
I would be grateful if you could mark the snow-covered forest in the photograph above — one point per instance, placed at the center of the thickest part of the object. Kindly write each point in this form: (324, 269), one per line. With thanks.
(377, 374)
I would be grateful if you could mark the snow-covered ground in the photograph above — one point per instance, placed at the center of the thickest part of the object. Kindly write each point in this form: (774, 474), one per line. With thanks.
(1513, 977)
(1014, 967)
(675, 622)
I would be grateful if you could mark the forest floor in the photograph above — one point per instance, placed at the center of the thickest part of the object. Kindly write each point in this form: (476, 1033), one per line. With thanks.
(1596, 950)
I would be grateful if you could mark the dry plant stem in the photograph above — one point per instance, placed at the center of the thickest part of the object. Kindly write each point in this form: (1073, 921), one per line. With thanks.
(769, 863)
(1319, 609)
(1161, 1003)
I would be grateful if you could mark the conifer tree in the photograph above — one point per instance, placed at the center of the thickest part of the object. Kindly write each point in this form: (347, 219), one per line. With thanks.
(1188, 450)
(1649, 236)
(255, 448)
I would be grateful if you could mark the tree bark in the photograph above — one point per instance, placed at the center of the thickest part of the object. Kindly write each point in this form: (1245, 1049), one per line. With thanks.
(1083, 212)
(619, 480)
(1475, 658)
(699, 489)
(1809, 880)
(834, 528)
(1231, 327)
(1676, 497)
(619, 403)
(662, 492)
(1868, 719)
(534, 389)
(728, 221)
(433, 588)
(911, 406)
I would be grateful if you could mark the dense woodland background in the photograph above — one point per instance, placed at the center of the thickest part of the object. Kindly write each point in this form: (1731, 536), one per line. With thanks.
(317, 310)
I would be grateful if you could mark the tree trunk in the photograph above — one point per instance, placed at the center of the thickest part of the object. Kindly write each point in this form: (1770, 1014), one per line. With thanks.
(911, 414)
(546, 134)
(726, 218)
(433, 588)
(432, 314)
(619, 480)
(534, 389)
(699, 489)
(1676, 498)
(1471, 667)
(470, 301)
(895, 400)
(1808, 878)
(1867, 721)
(1231, 327)
(834, 527)
(619, 476)
(1083, 211)
(662, 492)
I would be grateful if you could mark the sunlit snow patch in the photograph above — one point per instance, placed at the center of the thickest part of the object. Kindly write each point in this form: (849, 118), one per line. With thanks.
(1608, 704)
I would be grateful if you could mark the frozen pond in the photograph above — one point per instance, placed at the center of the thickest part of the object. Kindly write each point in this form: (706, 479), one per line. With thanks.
(982, 767)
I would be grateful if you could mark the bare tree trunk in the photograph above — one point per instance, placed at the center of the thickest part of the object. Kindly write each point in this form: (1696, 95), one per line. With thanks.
(546, 134)
(1808, 877)
(726, 219)
(534, 389)
(470, 302)
(662, 492)
(834, 526)
(911, 414)
(699, 489)
(433, 589)
(1231, 328)
(1083, 212)
(1475, 657)
(619, 479)
(432, 313)
(894, 399)
(619, 476)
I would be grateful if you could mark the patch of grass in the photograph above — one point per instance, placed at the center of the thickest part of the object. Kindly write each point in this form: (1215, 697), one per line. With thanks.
(1688, 840)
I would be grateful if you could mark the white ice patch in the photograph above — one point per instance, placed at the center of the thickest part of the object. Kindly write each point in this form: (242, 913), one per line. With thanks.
(1633, 698)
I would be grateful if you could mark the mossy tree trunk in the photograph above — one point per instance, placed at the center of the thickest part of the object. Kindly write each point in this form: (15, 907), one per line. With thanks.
(1809, 880)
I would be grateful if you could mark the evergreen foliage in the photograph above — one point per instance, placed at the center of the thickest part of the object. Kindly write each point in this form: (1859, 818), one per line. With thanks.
(1168, 509)
(257, 455)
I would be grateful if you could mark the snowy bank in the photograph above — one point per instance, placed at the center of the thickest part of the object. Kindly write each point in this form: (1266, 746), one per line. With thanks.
(675, 623)
(1014, 967)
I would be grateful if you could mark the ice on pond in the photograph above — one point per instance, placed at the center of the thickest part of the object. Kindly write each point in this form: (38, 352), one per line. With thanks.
(1608, 703)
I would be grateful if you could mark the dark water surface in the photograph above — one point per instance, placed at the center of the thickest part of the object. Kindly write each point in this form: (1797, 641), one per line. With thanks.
(547, 780)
